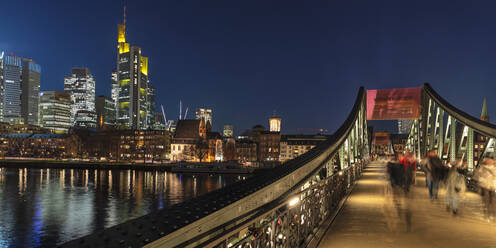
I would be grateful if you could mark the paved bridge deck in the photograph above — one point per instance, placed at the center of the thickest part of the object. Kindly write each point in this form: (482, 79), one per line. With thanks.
(376, 215)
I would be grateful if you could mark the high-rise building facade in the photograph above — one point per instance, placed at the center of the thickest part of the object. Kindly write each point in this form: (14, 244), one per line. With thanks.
(404, 125)
(115, 92)
(228, 131)
(1, 84)
(151, 106)
(80, 85)
(19, 90)
(132, 78)
(30, 91)
(206, 115)
(12, 90)
(105, 111)
(55, 111)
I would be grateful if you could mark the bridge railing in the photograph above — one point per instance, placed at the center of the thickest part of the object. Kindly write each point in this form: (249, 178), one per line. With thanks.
(232, 213)
(294, 221)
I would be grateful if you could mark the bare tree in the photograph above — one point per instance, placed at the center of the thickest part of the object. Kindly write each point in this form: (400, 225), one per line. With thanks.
(200, 150)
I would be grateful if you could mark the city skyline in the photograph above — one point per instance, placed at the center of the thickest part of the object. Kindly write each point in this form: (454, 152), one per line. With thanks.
(205, 66)
(247, 123)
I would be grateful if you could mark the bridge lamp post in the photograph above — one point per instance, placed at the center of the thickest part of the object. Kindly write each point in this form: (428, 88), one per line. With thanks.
(294, 201)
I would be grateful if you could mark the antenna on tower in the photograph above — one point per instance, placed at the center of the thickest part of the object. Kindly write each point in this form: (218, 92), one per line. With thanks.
(124, 21)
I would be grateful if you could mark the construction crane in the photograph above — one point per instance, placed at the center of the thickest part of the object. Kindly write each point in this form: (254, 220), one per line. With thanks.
(186, 112)
(163, 113)
(180, 109)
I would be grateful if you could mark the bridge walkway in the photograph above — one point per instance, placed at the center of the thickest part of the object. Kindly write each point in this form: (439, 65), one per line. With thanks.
(377, 215)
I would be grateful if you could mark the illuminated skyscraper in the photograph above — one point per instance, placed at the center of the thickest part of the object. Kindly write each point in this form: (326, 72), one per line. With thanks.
(80, 85)
(12, 71)
(30, 87)
(115, 92)
(150, 106)
(1, 84)
(206, 115)
(405, 125)
(132, 77)
(55, 111)
(19, 90)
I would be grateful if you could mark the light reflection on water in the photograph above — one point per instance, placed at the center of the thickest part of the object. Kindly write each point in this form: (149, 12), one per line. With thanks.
(45, 207)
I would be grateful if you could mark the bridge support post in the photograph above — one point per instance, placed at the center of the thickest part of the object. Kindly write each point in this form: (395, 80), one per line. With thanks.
(417, 138)
(423, 123)
(431, 125)
(348, 152)
(470, 149)
(452, 144)
(440, 132)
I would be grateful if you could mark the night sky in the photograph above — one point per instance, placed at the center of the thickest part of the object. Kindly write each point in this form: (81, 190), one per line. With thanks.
(245, 59)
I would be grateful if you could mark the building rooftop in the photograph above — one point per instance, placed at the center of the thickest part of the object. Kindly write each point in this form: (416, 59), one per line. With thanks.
(188, 129)
(214, 135)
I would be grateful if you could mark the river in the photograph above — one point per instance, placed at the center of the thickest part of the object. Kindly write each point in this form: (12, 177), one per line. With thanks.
(46, 207)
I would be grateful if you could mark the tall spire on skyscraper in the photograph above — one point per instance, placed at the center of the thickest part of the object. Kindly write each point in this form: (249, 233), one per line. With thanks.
(121, 28)
(124, 16)
(484, 114)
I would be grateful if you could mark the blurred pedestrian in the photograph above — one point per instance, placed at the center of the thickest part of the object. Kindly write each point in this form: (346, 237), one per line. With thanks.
(486, 178)
(455, 186)
(433, 173)
(409, 167)
(395, 170)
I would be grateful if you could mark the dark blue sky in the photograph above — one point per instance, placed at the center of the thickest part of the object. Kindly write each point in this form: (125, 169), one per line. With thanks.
(306, 59)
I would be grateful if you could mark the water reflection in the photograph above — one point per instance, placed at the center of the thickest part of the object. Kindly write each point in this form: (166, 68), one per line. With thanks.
(45, 207)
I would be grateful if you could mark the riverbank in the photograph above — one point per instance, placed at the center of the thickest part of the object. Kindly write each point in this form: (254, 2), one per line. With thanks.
(183, 167)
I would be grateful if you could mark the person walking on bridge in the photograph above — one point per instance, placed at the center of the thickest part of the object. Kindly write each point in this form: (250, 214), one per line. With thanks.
(433, 168)
(409, 166)
(395, 171)
(486, 178)
(455, 186)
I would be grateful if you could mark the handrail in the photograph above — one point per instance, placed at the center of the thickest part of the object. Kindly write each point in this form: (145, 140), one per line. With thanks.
(275, 205)
(180, 218)
(480, 126)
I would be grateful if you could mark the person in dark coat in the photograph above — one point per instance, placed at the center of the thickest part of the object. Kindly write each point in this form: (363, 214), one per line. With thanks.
(409, 165)
(396, 171)
(433, 173)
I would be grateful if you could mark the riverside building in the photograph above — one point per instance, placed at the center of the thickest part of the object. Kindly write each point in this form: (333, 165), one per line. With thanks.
(80, 85)
(55, 111)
